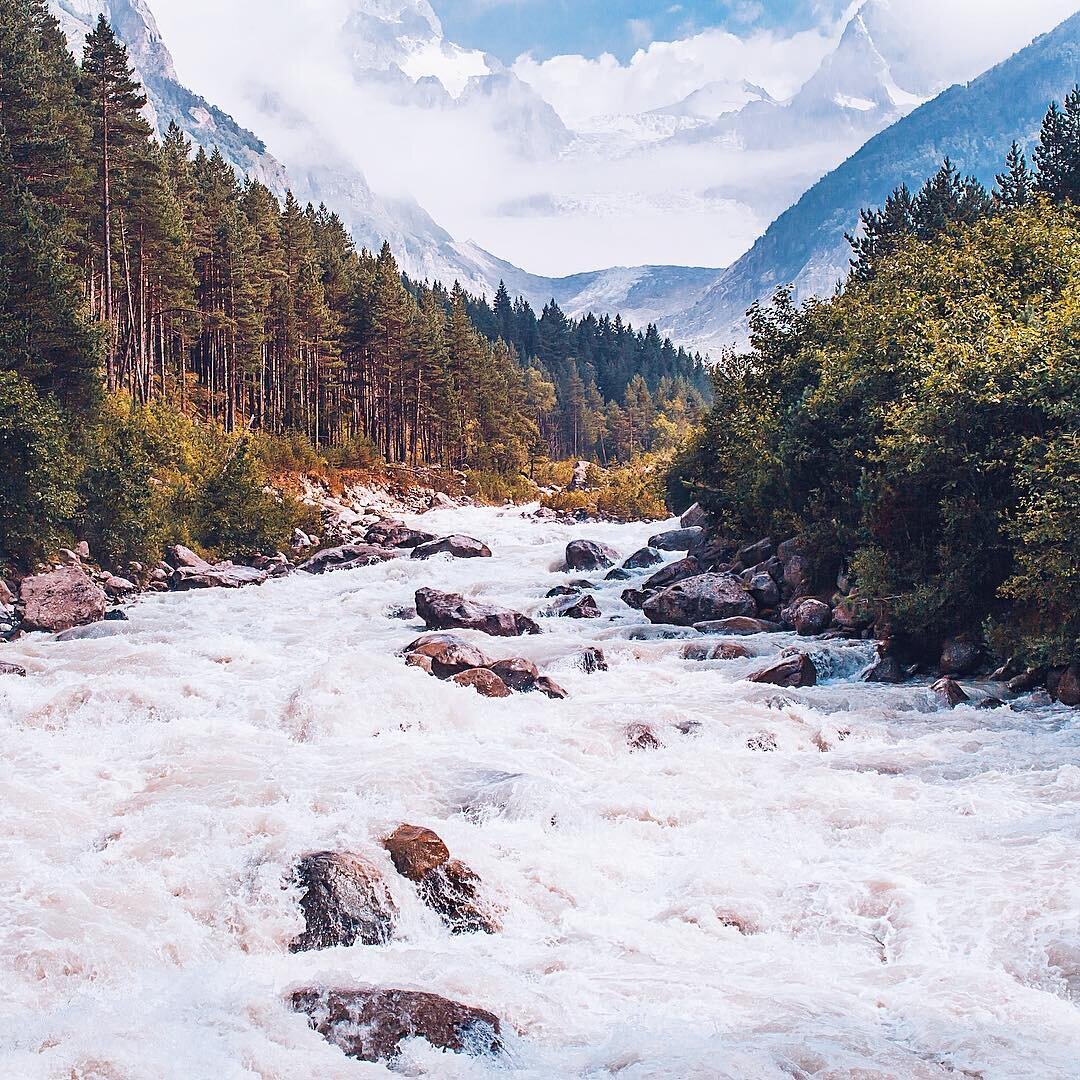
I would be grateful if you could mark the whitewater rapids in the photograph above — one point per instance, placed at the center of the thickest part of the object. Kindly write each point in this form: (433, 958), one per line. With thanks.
(893, 892)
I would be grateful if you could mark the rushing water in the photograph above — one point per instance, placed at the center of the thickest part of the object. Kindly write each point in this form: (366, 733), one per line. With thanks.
(894, 892)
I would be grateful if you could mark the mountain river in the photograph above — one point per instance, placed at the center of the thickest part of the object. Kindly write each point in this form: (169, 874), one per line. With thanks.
(847, 882)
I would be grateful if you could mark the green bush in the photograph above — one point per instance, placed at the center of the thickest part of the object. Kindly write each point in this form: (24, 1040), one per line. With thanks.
(37, 492)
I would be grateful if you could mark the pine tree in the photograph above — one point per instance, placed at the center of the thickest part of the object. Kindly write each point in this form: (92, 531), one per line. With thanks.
(1016, 185)
(115, 101)
(1057, 157)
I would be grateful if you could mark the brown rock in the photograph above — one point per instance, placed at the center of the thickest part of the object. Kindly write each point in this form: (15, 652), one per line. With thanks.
(415, 850)
(794, 671)
(7, 597)
(221, 576)
(1027, 680)
(764, 589)
(589, 555)
(1067, 690)
(370, 1025)
(887, 670)
(452, 892)
(348, 557)
(960, 656)
(753, 554)
(419, 660)
(812, 617)
(447, 611)
(550, 689)
(456, 657)
(518, 674)
(345, 901)
(460, 547)
(705, 650)
(634, 598)
(678, 539)
(949, 692)
(643, 559)
(740, 626)
(182, 556)
(575, 607)
(642, 737)
(60, 600)
(592, 660)
(673, 572)
(486, 683)
(697, 515)
(700, 599)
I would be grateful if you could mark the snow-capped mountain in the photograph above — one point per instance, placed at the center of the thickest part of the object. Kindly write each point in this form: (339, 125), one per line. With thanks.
(972, 124)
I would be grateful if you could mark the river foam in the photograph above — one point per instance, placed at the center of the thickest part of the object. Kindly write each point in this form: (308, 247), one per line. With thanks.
(893, 892)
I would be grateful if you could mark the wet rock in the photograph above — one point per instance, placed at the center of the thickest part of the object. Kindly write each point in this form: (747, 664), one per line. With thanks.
(519, 674)
(753, 554)
(562, 590)
(452, 658)
(739, 626)
(12, 669)
(700, 599)
(345, 901)
(678, 539)
(764, 742)
(60, 600)
(371, 1025)
(674, 572)
(419, 660)
(794, 671)
(643, 559)
(486, 683)
(634, 598)
(960, 656)
(220, 576)
(886, 670)
(118, 587)
(575, 607)
(706, 650)
(447, 611)
(550, 688)
(1067, 691)
(94, 631)
(348, 557)
(393, 534)
(1027, 680)
(949, 692)
(695, 517)
(446, 885)
(764, 590)
(460, 547)
(592, 660)
(116, 615)
(429, 644)
(589, 555)
(618, 574)
(642, 737)
(812, 617)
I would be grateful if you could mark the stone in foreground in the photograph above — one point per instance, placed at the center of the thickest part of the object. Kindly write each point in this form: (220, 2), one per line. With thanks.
(460, 547)
(793, 671)
(60, 600)
(345, 901)
(370, 1025)
(700, 599)
(450, 611)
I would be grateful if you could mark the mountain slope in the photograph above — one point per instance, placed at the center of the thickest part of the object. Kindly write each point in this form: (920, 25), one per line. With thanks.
(972, 124)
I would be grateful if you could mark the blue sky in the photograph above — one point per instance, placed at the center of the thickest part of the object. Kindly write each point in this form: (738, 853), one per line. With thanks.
(545, 28)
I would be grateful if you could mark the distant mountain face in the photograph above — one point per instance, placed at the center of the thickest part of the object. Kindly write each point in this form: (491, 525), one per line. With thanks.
(973, 124)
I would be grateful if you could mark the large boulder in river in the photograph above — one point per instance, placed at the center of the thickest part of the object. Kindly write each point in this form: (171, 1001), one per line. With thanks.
(644, 559)
(589, 555)
(794, 671)
(345, 901)
(446, 885)
(371, 1024)
(454, 657)
(812, 617)
(676, 571)
(449, 611)
(460, 547)
(61, 599)
(678, 539)
(700, 599)
(575, 607)
(220, 576)
(740, 626)
(486, 683)
(348, 557)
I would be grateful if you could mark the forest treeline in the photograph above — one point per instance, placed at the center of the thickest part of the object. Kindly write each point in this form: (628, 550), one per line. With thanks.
(921, 430)
(144, 290)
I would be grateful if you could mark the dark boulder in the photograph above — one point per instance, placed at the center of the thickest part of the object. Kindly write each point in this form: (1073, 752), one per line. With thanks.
(575, 607)
(711, 650)
(643, 559)
(455, 657)
(449, 611)
(1027, 680)
(348, 557)
(960, 656)
(812, 617)
(853, 614)
(673, 572)
(678, 539)
(949, 692)
(794, 671)
(887, 669)
(371, 1025)
(1067, 691)
(345, 901)
(696, 517)
(486, 683)
(60, 600)
(764, 590)
(589, 555)
(786, 551)
(618, 574)
(550, 688)
(12, 669)
(634, 598)
(392, 534)
(460, 547)
(700, 599)
(219, 576)
(797, 575)
(753, 554)
(518, 674)
(592, 660)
